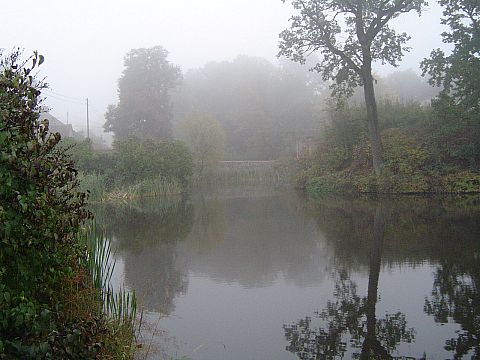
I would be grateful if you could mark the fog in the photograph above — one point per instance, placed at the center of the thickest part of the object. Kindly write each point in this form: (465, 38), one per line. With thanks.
(271, 177)
(84, 43)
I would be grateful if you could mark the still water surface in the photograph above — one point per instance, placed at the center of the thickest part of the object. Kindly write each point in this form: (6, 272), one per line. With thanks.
(268, 275)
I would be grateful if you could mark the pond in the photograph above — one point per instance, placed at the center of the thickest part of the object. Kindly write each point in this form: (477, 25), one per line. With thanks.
(261, 274)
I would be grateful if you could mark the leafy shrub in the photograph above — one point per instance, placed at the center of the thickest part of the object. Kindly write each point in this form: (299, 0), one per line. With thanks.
(328, 183)
(149, 159)
(462, 182)
(90, 161)
(40, 213)
(402, 154)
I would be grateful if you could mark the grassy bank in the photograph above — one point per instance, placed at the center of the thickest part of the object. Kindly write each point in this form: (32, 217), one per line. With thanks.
(115, 309)
(95, 186)
(243, 173)
(134, 168)
(426, 149)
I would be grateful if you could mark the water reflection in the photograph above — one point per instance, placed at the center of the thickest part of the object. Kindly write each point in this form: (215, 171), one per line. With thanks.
(359, 278)
(350, 318)
(401, 231)
(253, 241)
(146, 235)
(456, 297)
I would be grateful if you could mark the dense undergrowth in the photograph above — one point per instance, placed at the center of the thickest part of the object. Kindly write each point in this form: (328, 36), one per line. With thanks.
(51, 306)
(427, 149)
(134, 168)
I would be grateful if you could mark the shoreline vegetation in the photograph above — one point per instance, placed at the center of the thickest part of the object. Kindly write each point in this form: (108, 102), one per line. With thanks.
(56, 300)
(428, 149)
(134, 168)
(128, 172)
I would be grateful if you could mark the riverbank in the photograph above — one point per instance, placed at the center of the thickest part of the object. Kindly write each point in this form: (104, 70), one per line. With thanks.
(426, 149)
(464, 182)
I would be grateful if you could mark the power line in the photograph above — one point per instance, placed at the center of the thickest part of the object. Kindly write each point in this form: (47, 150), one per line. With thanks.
(73, 100)
(65, 100)
(62, 95)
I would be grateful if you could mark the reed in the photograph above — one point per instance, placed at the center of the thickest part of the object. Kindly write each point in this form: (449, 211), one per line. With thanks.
(119, 307)
(273, 173)
(94, 185)
(155, 187)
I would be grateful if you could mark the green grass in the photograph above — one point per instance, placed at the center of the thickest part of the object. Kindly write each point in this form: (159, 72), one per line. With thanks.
(251, 173)
(95, 185)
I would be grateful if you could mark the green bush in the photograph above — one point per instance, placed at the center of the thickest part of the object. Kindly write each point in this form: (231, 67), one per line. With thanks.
(133, 167)
(150, 159)
(40, 214)
(90, 161)
(328, 183)
(461, 182)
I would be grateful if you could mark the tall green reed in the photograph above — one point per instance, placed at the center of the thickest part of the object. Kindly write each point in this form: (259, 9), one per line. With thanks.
(94, 184)
(119, 306)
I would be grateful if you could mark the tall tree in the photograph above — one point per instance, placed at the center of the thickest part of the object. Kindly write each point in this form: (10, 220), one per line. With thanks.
(144, 109)
(459, 72)
(350, 35)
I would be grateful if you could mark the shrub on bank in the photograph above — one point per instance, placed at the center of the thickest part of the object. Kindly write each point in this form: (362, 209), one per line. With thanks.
(41, 214)
(431, 153)
(133, 168)
(137, 160)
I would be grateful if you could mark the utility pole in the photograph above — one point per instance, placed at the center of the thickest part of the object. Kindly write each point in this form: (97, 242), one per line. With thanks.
(88, 123)
(67, 117)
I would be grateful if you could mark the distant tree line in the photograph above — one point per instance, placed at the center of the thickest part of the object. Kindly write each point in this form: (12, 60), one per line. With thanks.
(256, 110)
(261, 109)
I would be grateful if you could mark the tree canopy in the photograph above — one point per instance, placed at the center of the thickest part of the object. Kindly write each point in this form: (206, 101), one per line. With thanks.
(144, 109)
(350, 35)
(459, 72)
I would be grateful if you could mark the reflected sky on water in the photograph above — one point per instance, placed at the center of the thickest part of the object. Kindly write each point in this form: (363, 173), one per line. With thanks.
(260, 274)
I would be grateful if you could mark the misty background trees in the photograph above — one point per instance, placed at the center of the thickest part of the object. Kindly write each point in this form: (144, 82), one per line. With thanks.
(206, 138)
(263, 108)
(373, 133)
(144, 109)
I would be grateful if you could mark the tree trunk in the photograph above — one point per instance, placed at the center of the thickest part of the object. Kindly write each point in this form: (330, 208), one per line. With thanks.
(372, 115)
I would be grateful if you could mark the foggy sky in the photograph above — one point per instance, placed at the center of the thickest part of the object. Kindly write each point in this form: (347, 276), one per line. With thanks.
(84, 42)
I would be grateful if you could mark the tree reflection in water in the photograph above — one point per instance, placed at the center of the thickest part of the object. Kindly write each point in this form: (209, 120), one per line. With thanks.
(456, 295)
(351, 319)
(146, 234)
